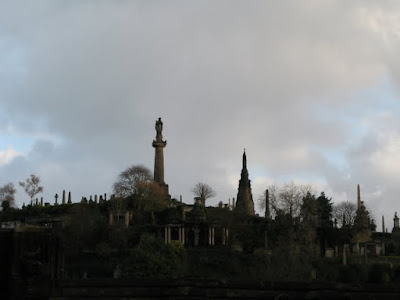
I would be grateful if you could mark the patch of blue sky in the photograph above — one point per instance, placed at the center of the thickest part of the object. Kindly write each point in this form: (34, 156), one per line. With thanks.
(258, 172)
(18, 143)
(361, 104)
(384, 96)
(23, 141)
(300, 178)
(335, 156)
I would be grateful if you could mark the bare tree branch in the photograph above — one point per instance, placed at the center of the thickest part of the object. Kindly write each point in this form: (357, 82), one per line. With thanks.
(31, 186)
(345, 213)
(287, 198)
(132, 181)
(203, 191)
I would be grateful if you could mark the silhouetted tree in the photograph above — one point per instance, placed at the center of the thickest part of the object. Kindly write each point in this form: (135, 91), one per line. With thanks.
(132, 181)
(7, 193)
(325, 211)
(136, 190)
(315, 222)
(309, 221)
(325, 224)
(286, 198)
(345, 213)
(31, 186)
(204, 191)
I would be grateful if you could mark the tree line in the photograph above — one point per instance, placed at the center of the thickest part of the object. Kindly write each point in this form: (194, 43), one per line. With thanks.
(31, 185)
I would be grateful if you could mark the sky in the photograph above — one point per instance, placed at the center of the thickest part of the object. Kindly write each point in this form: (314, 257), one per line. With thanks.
(309, 88)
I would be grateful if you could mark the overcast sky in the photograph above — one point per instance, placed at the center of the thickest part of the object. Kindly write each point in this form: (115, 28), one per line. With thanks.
(309, 88)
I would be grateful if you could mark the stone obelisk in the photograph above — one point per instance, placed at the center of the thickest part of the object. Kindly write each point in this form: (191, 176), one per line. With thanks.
(358, 197)
(383, 224)
(159, 145)
(267, 211)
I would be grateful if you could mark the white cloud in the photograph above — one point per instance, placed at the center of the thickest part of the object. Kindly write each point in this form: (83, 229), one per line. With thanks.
(386, 160)
(6, 156)
(86, 81)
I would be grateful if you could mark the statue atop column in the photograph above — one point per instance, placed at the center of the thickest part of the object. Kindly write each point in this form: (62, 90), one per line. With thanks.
(159, 146)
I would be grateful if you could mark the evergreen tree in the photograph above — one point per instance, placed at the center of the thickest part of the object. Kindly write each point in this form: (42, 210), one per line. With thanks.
(325, 224)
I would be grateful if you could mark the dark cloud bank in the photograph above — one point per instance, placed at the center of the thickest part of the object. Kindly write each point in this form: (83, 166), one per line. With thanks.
(309, 89)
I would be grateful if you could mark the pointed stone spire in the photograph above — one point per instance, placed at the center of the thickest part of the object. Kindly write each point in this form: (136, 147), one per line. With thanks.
(69, 198)
(244, 202)
(358, 197)
(244, 160)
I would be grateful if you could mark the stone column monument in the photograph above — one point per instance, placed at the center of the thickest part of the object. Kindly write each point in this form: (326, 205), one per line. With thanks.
(159, 145)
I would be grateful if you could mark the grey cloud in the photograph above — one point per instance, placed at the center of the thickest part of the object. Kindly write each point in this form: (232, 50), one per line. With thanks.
(223, 76)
